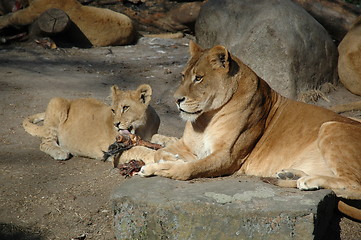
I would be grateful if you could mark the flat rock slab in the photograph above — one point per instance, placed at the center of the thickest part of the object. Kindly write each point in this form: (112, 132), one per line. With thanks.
(222, 208)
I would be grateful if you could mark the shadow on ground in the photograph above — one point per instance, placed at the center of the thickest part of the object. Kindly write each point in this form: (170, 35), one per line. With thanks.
(13, 232)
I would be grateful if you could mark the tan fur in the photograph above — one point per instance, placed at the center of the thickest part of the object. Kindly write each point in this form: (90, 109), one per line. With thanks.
(86, 127)
(102, 27)
(349, 66)
(349, 61)
(237, 124)
(346, 107)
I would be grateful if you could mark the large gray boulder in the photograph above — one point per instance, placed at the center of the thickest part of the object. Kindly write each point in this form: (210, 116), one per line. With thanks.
(278, 39)
(222, 208)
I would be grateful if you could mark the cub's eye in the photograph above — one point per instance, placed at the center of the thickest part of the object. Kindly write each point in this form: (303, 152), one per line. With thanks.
(125, 108)
(113, 111)
(198, 79)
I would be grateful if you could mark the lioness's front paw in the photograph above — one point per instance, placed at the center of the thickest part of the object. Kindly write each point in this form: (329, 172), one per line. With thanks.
(309, 183)
(171, 169)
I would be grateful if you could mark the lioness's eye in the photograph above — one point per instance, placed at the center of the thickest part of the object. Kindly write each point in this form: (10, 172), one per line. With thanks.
(125, 108)
(198, 79)
(113, 111)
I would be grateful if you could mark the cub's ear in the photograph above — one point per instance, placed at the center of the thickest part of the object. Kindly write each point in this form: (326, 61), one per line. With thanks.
(144, 92)
(114, 92)
(194, 48)
(219, 57)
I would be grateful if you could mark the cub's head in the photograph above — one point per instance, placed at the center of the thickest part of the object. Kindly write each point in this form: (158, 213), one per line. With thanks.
(208, 81)
(129, 107)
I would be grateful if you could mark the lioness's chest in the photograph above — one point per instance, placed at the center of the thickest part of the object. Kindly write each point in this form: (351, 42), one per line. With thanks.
(203, 143)
(203, 146)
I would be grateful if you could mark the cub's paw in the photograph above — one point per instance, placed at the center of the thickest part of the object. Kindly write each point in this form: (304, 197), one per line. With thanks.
(308, 183)
(60, 155)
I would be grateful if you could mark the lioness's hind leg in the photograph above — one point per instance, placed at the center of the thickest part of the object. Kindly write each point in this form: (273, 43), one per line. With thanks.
(55, 114)
(285, 178)
(290, 174)
(340, 146)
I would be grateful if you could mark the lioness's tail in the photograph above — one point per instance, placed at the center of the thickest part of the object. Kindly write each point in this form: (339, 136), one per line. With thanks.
(349, 210)
(350, 205)
(346, 107)
(30, 126)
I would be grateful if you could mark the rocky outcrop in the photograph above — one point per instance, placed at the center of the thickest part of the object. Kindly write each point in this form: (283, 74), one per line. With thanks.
(223, 208)
(278, 39)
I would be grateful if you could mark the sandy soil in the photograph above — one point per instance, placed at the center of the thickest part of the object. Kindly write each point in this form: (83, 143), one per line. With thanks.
(41, 198)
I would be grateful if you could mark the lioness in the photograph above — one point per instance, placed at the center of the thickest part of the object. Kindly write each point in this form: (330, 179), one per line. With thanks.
(237, 124)
(102, 27)
(349, 66)
(86, 127)
(349, 60)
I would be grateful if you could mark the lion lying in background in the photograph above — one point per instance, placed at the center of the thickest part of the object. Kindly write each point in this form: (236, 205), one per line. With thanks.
(349, 62)
(102, 27)
(86, 127)
(349, 66)
(237, 124)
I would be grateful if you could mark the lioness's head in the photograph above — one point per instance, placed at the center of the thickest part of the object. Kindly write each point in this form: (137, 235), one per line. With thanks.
(208, 81)
(129, 107)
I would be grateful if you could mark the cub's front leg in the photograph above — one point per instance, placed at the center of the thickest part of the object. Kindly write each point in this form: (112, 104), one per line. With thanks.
(138, 153)
(163, 140)
(146, 154)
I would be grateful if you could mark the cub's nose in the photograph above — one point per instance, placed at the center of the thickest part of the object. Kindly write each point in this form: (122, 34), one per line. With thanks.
(180, 100)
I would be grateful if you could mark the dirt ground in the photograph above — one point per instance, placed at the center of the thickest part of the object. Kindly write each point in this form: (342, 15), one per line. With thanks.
(41, 198)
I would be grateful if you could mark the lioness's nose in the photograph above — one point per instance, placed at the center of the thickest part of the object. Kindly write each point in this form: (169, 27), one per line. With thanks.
(116, 124)
(180, 100)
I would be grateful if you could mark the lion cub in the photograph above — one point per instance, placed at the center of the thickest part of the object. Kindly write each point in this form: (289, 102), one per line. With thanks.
(86, 127)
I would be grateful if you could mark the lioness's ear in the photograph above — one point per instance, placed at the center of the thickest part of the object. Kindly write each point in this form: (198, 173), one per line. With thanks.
(194, 48)
(144, 92)
(219, 57)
